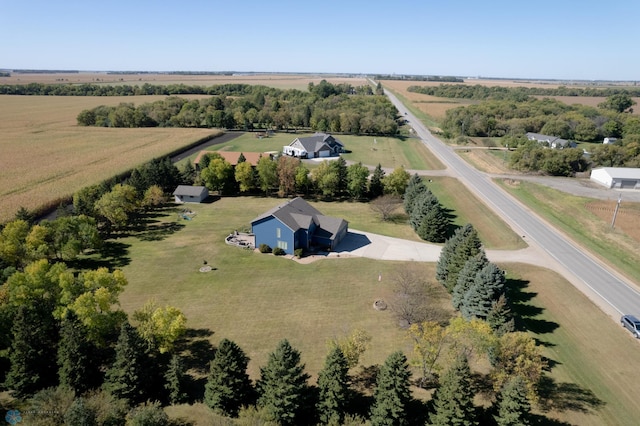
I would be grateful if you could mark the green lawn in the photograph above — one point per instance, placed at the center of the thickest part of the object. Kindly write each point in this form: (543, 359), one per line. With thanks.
(390, 152)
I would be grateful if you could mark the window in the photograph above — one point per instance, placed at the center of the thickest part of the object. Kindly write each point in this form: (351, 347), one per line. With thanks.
(282, 245)
(277, 232)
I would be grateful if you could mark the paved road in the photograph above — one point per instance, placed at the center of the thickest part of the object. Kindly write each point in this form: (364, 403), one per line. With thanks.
(613, 293)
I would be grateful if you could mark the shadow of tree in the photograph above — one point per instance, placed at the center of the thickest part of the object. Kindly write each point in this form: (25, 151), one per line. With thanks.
(196, 352)
(112, 255)
(160, 231)
(524, 311)
(567, 397)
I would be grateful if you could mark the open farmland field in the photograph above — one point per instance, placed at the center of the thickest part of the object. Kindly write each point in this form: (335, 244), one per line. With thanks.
(591, 101)
(45, 156)
(256, 300)
(281, 81)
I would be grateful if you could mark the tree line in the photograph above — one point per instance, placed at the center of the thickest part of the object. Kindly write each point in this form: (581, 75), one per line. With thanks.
(482, 92)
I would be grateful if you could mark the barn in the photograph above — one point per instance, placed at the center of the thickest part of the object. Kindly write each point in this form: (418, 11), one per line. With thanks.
(190, 194)
(617, 177)
(296, 224)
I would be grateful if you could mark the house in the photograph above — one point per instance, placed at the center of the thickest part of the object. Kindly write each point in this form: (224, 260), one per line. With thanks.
(190, 194)
(231, 157)
(552, 141)
(296, 224)
(609, 140)
(317, 145)
(617, 177)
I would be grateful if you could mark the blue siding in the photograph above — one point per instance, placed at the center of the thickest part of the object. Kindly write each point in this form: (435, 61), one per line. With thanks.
(266, 231)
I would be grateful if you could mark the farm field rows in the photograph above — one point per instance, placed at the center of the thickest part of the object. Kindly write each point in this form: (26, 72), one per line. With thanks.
(46, 156)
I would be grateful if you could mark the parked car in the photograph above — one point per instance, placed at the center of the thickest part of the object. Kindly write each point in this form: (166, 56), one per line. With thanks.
(632, 323)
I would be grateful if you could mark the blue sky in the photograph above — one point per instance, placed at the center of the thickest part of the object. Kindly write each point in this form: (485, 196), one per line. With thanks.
(559, 39)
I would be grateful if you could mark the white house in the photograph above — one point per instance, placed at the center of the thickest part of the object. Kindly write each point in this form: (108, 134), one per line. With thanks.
(318, 145)
(190, 194)
(609, 140)
(552, 141)
(617, 177)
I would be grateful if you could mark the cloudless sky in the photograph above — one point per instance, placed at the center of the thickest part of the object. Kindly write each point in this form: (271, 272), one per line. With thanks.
(561, 39)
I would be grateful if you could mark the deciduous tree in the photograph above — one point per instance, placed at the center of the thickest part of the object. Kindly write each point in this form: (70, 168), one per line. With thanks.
(396, 182)
(357, 179)
(353, 345)
(245, 176)
(160, 326)
(385, 205)
(267, 174)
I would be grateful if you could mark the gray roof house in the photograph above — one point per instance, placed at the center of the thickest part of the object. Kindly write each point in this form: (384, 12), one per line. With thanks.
(190, 194)
(317, 145)
(296, 224)
(552, 141)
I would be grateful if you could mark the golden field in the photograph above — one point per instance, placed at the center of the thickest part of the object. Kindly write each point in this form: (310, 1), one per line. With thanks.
(45, 156)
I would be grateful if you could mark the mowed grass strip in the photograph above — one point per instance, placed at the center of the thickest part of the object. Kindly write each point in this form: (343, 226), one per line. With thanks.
(569, 214)
(46, 156)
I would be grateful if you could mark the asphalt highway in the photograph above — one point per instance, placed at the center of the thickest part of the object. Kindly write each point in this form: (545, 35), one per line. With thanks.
(613, 293)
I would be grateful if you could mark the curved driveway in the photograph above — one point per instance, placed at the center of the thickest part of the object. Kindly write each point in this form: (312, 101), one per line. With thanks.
(613, 293)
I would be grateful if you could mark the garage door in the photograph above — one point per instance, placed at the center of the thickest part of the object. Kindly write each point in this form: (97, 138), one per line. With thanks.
(628, 184)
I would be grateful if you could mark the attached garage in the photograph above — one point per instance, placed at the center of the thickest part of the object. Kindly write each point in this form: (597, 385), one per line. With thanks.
(617, 177)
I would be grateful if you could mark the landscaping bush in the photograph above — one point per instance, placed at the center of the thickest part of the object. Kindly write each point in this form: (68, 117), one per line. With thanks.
(298, 253)
(264, 248)
(278, 251)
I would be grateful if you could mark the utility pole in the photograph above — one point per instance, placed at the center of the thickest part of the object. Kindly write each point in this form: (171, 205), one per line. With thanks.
(615, 212)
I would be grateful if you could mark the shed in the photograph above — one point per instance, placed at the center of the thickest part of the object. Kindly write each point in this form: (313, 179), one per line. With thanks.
(190, 194)
(296, 224)
(617, 177)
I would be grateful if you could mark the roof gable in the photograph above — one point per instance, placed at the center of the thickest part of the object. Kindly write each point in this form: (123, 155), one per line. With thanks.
(297, 214)
(189, 190)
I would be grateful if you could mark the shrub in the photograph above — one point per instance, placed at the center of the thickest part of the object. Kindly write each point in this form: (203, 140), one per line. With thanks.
(298, 252)
(264, 248)
(278, 251)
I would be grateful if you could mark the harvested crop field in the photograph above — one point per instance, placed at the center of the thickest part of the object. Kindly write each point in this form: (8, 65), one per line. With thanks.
(46, 156)
(281, 81)
(627, 218)
(433, 106)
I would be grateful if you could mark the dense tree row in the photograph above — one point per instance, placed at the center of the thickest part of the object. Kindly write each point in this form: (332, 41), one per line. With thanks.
(426, 215)
(482, 92)
(325, 107)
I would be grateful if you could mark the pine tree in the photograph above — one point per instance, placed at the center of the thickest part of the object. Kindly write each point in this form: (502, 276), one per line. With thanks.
(175, 379)
(415, 187)
(77, 367)
(392, 393)
(33, 350)
(453, 400)
(513, 405)
(466, 278)
(283, 384)
(79, 414)
(241, 158)
(376, 187)
(488, 286)
(127, 377)
(434, 225)
(334, 387)
(500, 317)
(422, 204)
(455, 253)
(228, 385)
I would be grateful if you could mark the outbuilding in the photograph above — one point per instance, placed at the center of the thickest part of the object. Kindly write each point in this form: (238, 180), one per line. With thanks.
(190, 194)
(617, 177)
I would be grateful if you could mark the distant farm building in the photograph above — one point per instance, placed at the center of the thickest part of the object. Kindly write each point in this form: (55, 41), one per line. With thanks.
(296, 224)
(617, 177)
(608, 141)
(231, 157)
(190, 194)
(315, 146)
(552, 141)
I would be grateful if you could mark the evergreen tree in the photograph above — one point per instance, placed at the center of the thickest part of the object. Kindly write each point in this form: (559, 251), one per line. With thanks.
(283, 384)
(188, 173)
(434, 225)
(500, 317)
(175, 378)
(415, 187)
(77, 367)
(334, 386)
(453, 400)
(513, 405)
(241, 158)
(130, 372)
(488, 286)
(457, 250)
(422, 204)
(228, 385)
(33, 350)
(376, 185)
(392, 394)
(466, 277)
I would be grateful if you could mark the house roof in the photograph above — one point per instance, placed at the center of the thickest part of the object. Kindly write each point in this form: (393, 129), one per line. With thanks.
(232, 156)
(297, 214)
(315, 142)
(621, 172)
(552, 140)
(188, 190)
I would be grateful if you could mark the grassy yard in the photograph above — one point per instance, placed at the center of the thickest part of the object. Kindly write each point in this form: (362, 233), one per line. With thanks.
(256, 300)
